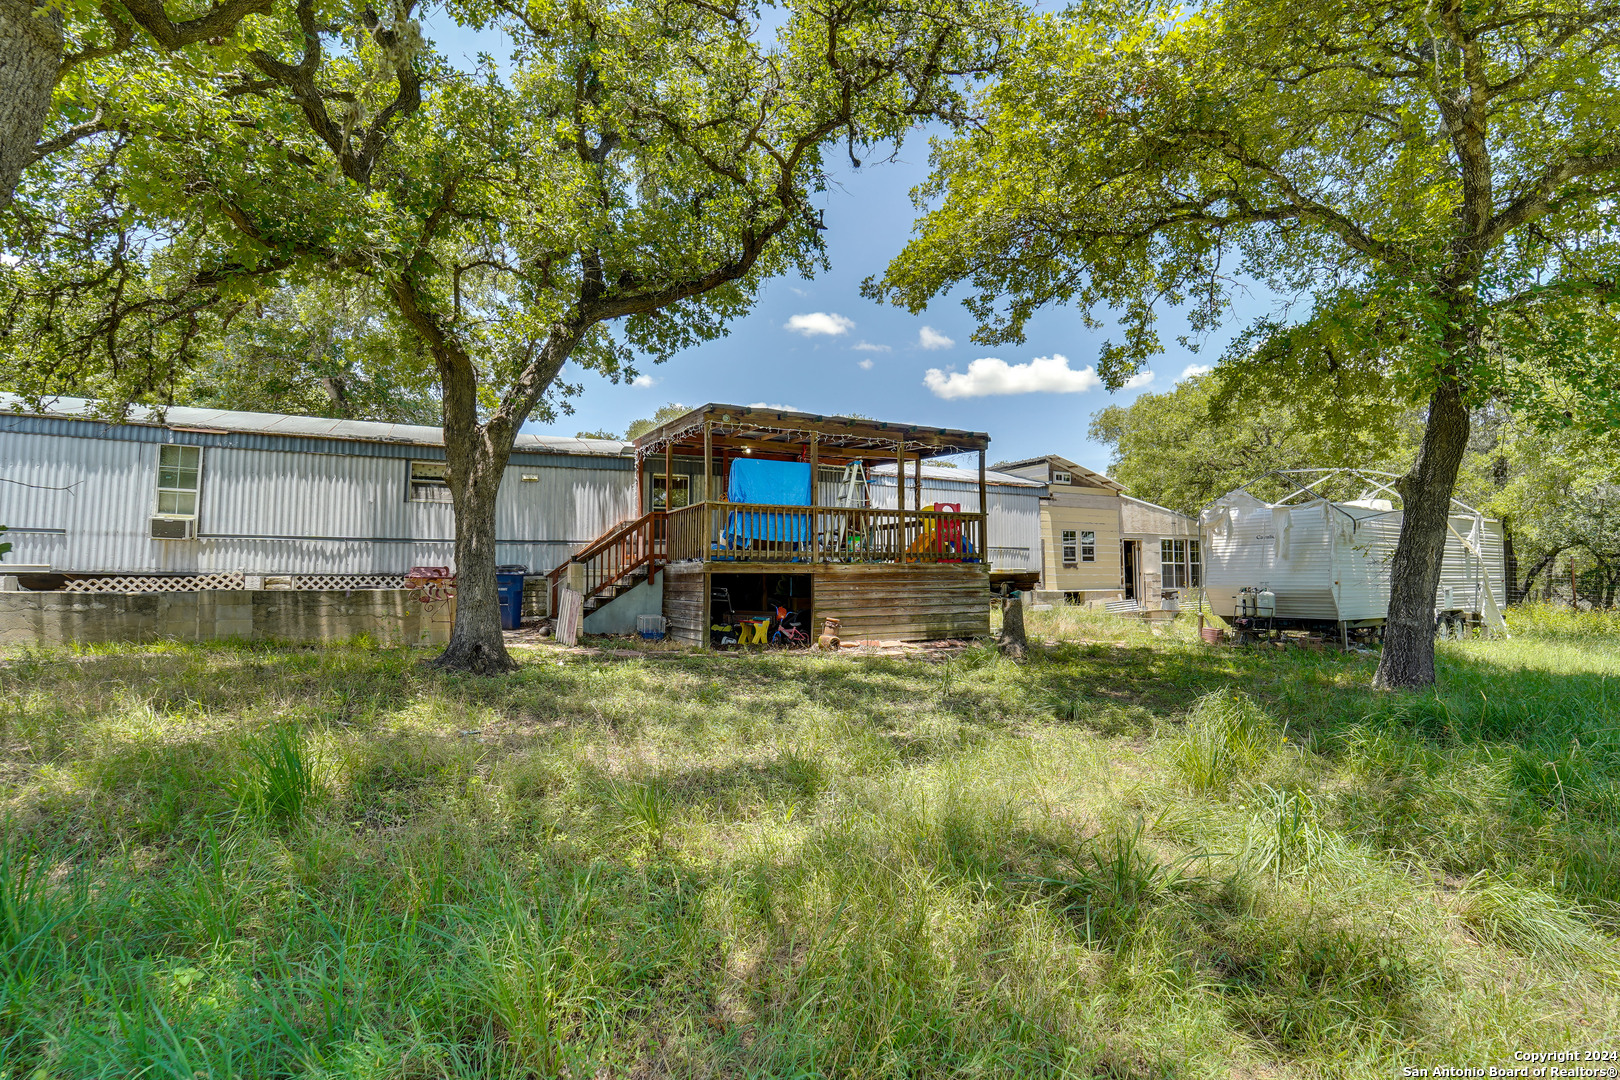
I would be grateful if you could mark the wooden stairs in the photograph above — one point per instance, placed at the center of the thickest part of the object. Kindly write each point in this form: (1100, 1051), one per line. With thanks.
(616, 562)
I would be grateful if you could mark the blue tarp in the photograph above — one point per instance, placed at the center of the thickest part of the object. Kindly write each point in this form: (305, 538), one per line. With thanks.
(774, 483)
(743, 527)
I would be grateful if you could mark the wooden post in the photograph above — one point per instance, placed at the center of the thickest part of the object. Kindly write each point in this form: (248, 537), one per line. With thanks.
(917, 480)
(815, 496)
(708, 458)
(984, 515)
(669, 475)
(900, 501)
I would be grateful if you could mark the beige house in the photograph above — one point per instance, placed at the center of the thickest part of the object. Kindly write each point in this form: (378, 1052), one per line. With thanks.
(1099, 544)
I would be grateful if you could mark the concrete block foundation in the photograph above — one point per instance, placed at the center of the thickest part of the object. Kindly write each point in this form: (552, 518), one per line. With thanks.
(389, 616)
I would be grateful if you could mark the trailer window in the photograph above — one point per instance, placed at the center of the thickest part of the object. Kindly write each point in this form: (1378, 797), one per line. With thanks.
(671, 492)
(1180, 564)
(179, 468)
(1060, 476)
(1071, 546)
(430, 481)
(1088, 547)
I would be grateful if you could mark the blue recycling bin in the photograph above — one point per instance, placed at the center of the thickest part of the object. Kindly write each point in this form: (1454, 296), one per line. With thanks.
(509, 585)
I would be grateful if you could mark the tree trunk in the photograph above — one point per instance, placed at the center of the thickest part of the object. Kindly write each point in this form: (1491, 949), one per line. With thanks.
(477, 455)
(30, 55)
(1408, 659)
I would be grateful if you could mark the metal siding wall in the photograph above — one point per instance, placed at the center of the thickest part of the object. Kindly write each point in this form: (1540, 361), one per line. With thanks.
(275, 511)
(104, 519)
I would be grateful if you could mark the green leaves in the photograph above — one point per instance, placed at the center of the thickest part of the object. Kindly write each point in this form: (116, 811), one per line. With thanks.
(1140, 158)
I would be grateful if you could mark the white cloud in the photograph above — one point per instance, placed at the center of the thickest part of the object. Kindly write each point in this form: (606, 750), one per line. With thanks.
(778, 408)
(867, 346)
(865, 365)
(929, 338)
(989, 376)
(1141, 378)
(819, 323)
(644, 381)
(1194, 370)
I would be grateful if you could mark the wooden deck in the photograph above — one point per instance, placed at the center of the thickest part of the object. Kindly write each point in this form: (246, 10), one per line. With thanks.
(872, 601)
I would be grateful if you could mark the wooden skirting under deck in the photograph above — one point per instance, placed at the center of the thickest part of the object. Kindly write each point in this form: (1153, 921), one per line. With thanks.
(882, 601)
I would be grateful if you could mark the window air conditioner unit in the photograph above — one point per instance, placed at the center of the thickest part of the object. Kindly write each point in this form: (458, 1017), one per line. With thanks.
(174, 528)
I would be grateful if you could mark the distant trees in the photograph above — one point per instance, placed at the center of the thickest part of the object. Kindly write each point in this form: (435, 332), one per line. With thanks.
(323, 350)
(1430, 185)
(1191, 444)
(664, 415)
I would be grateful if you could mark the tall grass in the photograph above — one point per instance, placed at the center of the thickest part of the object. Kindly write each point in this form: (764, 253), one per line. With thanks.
(1131, 855)
(1227, 735)
(279, 780)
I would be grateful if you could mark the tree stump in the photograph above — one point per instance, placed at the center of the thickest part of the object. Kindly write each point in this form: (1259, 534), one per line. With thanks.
(1012, 641)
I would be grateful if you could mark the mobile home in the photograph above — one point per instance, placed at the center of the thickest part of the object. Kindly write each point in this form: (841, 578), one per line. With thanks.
(209, 499)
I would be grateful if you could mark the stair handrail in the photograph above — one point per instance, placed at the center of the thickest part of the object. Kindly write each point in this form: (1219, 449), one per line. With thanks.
(648, 555)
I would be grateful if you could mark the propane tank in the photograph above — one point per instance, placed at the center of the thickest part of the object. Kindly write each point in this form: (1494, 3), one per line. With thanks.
(1265, 604)
(1246, 601)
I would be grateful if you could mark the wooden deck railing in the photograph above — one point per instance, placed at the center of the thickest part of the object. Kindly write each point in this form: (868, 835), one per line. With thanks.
(750, 532)
(614, 555)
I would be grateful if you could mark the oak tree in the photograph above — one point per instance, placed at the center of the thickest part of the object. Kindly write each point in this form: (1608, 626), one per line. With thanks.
(1428, 186)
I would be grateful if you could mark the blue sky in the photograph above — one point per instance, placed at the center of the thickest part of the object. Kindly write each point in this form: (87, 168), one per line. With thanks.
(847, 354)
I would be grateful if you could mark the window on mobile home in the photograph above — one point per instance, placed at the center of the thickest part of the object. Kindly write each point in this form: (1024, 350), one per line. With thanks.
(1060, 476)
(1088, 547)
(430, 481)
(1070, 548)
(1180, 564)
(671, 492)
(178, 470)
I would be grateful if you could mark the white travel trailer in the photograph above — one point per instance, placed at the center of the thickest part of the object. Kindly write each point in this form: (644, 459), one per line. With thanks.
(1308, 562)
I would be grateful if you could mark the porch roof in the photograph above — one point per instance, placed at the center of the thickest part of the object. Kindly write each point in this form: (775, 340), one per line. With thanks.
(783, 431)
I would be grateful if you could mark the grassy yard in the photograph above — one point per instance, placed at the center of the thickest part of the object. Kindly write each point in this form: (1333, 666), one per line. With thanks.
(1130, 856)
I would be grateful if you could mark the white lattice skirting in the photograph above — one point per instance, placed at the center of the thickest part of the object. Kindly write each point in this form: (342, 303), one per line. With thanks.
(204, 582)
(348, 581)
(188, 583)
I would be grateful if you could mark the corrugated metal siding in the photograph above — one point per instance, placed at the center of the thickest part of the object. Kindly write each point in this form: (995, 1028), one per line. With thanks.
(282, 512)
(68, 427)
(1013, 520)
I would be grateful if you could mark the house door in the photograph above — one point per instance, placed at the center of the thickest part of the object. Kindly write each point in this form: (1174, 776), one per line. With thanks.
(1129, 551)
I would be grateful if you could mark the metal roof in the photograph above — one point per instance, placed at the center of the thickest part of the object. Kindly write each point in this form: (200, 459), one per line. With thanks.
(966, 476)
(222, 421)
(789, 427)
(1098, 479)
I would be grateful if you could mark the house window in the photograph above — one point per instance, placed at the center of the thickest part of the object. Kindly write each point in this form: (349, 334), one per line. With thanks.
(1060, 476)
(1181, 564)
(430, 481)
(1071, 548)
(178, 470)
(671, 492)
(1088, 547)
